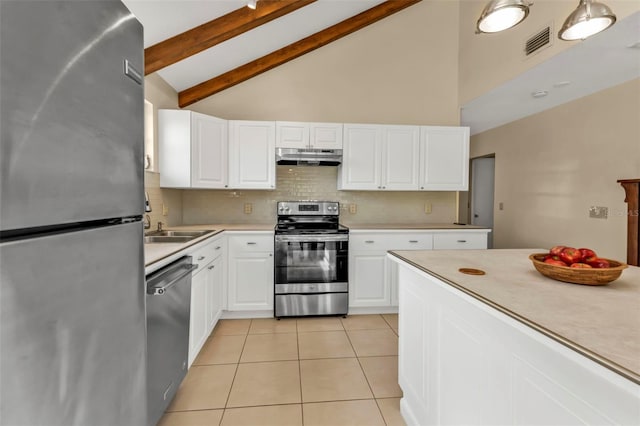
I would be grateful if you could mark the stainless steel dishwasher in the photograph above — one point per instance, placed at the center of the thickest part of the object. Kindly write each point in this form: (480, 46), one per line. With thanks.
(168, 310)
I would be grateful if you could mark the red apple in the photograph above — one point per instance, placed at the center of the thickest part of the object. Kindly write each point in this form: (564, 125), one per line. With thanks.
(588, 254)
(600, 263)
(555, 250)
(550, 256)
(555, 262)
(570, 255)
(580, 265)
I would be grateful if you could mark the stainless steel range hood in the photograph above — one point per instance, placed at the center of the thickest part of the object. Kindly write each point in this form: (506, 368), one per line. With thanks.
(308, 157)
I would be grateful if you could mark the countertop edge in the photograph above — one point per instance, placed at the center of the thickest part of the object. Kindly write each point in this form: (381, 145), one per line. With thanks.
(605, 362)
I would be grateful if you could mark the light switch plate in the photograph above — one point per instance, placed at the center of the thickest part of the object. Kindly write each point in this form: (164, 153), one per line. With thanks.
(353, 208)
(427, 208)
(248, 208)
(598, 212)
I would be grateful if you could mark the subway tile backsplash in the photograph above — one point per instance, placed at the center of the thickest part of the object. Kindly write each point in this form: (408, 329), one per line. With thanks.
(311, 183)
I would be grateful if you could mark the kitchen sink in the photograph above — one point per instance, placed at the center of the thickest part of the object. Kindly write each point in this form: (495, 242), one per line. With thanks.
(173, 236)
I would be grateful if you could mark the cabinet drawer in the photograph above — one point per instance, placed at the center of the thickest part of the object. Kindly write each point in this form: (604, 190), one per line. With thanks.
(459, 240)
(402, 241)
(250, 243)
(203, 255)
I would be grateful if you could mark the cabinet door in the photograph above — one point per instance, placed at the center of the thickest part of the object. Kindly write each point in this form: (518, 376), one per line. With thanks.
(444, 158)
(214, 292)
(325, 135)
(198, 322)
(250, 281)
(400, 157)
(174, 148)
(290, 134)
(361, 157)
(252, 162)
(208, 151)
(368, 283)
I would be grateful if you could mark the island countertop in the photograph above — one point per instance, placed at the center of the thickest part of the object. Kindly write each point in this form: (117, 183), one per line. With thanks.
(600, 322)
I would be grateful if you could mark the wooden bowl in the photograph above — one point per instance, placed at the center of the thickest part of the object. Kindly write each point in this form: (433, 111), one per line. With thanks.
(588, 276)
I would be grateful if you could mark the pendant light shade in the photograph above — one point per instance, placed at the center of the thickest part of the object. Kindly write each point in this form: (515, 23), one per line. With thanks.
(588, 19)
(498, 15)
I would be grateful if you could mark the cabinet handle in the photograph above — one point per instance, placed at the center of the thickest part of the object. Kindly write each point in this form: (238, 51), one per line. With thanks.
(413, 241)
(211, 267)
(422, 187)
(369, 242)
(462, 241)
(200, 257)
(270, 254)
(226, 186)
(251, 243)
(218, 248)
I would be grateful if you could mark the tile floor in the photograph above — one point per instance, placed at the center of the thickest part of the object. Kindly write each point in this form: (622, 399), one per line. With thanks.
(308, 371)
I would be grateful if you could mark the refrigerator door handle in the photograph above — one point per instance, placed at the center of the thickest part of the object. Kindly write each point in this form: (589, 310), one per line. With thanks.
(131, 72)
(161, 289)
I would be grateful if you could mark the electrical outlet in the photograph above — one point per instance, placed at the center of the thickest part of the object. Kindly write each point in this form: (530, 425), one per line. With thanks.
(248, 208)
(598, 212)
(353, 208)
(165, 210)
(427, 208)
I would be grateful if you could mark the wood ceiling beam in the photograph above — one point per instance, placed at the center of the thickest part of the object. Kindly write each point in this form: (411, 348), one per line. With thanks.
(290, 52)
(209, 34)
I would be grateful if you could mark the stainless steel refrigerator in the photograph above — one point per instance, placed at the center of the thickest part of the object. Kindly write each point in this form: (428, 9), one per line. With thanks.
(72, 315)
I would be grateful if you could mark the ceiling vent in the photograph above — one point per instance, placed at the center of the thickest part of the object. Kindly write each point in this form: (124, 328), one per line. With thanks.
(538, 41)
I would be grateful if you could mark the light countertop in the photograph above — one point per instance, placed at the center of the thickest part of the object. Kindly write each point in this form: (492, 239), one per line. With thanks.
(156, 252)
(160, 251)
(408, 226)
(600, 322)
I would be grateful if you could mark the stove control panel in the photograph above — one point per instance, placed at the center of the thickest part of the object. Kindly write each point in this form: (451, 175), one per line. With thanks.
(311, 208)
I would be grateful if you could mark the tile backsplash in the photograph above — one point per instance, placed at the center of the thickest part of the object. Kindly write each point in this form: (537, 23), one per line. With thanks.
(312, 183)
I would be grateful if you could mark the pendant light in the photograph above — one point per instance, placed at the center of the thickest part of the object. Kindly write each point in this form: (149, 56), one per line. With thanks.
(251, 4)
(499, 15)
(588, 19)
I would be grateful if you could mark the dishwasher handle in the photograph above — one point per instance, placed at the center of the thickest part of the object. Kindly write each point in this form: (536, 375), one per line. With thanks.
(159, 282)
(162, 289)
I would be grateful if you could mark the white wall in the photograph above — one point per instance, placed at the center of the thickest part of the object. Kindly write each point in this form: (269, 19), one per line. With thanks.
(552, 166)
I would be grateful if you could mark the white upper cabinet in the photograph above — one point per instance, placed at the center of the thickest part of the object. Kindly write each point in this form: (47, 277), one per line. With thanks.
(361, 157)
(400, 157)
(380, 157)
(444, 158)
(252, 163)
(290, 134)
(192, 150)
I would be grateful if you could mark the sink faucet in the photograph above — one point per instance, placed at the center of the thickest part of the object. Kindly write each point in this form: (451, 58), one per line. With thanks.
(147, 221)
(159, 226)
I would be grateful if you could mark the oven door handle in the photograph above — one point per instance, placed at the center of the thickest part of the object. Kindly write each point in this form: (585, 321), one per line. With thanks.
(312, 238)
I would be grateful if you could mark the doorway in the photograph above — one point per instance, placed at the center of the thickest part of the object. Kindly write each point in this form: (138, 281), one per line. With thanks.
(482, 193)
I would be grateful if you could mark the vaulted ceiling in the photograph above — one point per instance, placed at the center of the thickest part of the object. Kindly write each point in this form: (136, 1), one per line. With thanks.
(203, 47)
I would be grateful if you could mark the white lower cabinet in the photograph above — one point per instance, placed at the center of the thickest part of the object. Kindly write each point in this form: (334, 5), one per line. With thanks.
(370, 281)
(250, 271)
(198, 316)
(373, 277)
(463, 362)
(367, 279)
(207, 283)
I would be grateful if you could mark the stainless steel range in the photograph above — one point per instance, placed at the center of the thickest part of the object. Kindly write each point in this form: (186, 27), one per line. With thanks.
(311, 260)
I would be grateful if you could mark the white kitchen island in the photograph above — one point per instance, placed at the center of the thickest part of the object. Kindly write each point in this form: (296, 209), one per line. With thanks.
(513, 347)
